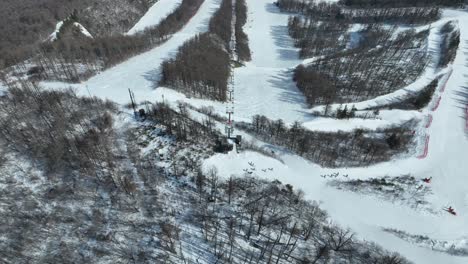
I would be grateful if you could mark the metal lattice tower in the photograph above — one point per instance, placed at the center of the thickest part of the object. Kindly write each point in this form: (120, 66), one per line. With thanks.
(230, 108)
(230, 91)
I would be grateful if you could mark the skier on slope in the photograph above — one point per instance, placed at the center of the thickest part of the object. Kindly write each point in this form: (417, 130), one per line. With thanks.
(451, 210)
(427, 180)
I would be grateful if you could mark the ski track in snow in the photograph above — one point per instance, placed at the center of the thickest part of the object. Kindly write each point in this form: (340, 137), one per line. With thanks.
(264, 86)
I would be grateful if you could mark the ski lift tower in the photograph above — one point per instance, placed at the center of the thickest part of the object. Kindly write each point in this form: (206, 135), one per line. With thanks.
(230, 108)
(230, 91)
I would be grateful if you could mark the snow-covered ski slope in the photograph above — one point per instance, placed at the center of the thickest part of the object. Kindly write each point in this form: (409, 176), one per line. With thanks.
(140, 72)
(160, 10)
(264, 86)
(368, 215)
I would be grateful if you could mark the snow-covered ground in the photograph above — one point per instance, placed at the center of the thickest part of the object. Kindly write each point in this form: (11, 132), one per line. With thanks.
(367, 215)
(264, 86)
(385, 119)
(155, 15)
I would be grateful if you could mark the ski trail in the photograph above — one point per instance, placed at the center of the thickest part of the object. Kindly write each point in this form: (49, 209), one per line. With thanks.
(160, 10)
(448, 146)
(141, 72)
(367, 215)
(264, 85)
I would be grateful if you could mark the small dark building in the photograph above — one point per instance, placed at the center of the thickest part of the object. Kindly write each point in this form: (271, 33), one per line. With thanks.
(142, 114)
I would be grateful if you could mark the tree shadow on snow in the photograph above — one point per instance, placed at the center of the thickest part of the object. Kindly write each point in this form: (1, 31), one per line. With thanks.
(286, 50)
(203, 27)
(461, 100)
(153, 76)
(272, 8)
(290, 93)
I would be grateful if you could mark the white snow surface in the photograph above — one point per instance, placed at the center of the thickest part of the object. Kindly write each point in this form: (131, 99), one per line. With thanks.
(385, 119)
(264, 86)
(160, 10)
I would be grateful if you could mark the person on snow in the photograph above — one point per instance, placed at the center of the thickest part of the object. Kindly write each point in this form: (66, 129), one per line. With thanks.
(451, 210)
(427, 180)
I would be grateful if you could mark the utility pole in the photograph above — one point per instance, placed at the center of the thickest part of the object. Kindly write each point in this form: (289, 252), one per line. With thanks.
(132, 98)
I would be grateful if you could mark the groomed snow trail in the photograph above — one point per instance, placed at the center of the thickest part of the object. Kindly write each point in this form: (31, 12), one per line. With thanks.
(264, 86)
(140, 73)
(160, 10)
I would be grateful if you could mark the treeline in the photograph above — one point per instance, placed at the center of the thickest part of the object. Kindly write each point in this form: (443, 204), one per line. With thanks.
(242, 40)
(25, 24)
(367, 70)
(201, 67)
(66, 58)
(178, 123)
(137, 204)
(245, 219)
(413, 101)
(398, 189)
(413, 15)
(401, 3)
(274, 223)
(339, 13)
(449, 44)
(22, 23)
(111, 17)
(317, 38)
(57, 130)
(332, 149)
(220, 24)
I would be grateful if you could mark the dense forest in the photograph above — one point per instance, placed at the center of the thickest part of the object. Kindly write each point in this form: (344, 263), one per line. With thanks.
(333, 149)
(413, 101)
(202, 65)
(25, 24)
(200, 69)
(74, 57)
(83, 190)
(449, 44)
(371, 69)
(401, 3)
(339, 13)
(359, 53)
